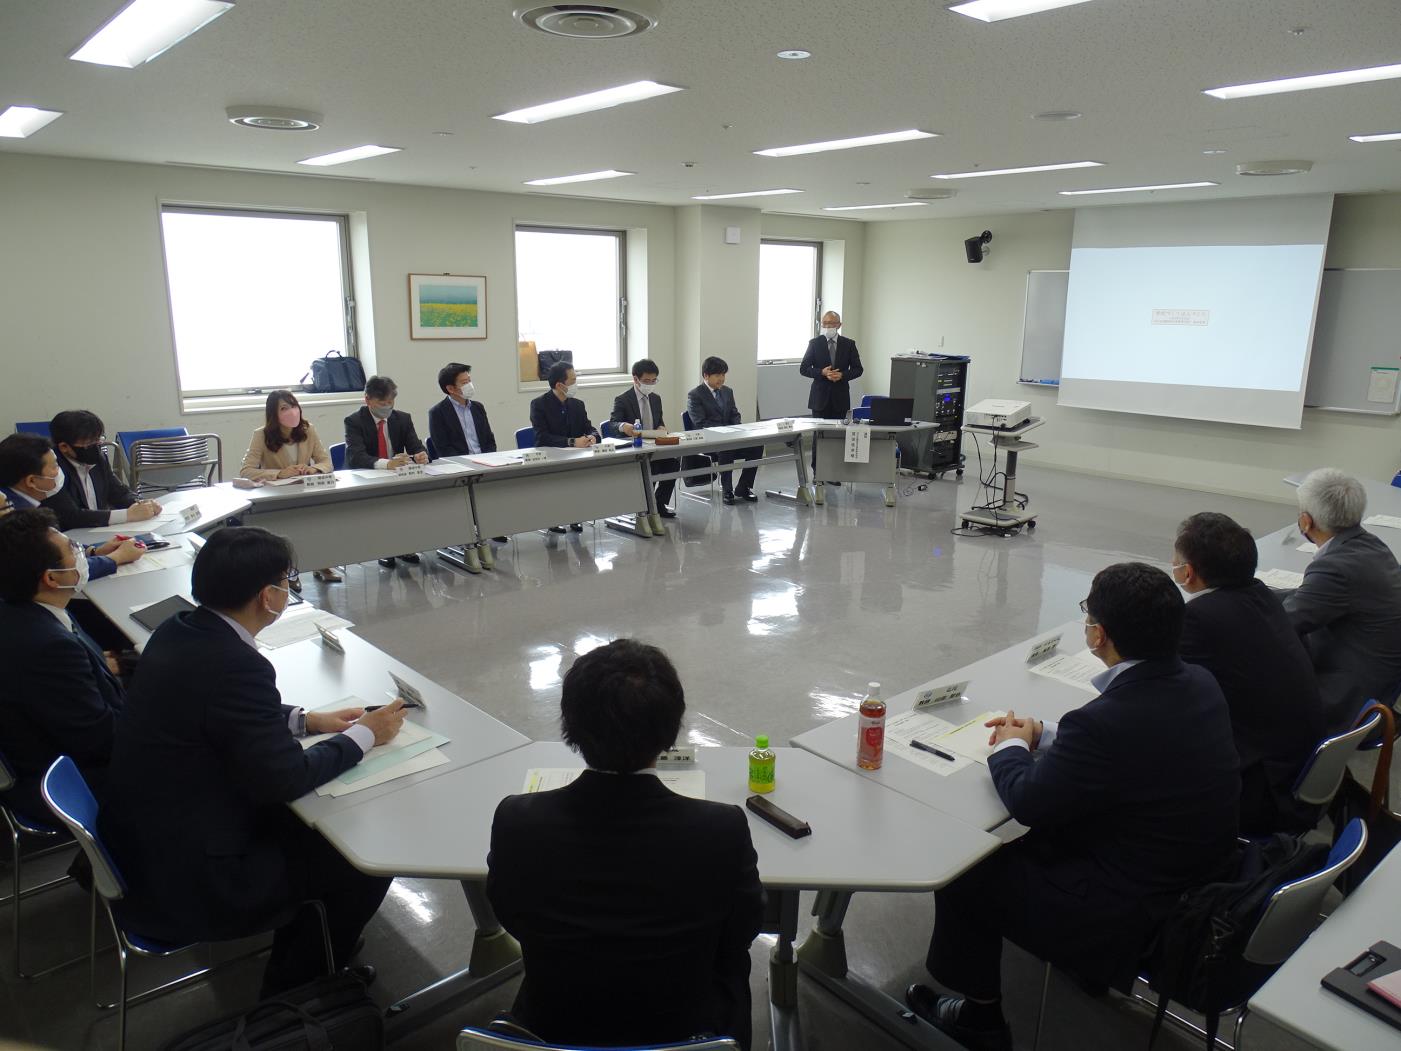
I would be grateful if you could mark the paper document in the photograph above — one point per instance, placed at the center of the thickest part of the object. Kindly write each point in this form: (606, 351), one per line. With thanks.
(1388, 521)
(298, 626)
(498, 459)
(151, 561)
(294, 480)
(372, 475)
(683, 782)
(858, 445)
(413, 765)
(1073, 669)
(727, 430)
(903, 729)
(1281, 579)
(1381, 384)
(445, 467)
(971, 739)
(146, 525)
(412, 749)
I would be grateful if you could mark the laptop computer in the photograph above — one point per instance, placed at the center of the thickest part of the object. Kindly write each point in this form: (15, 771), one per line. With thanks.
(891, 411)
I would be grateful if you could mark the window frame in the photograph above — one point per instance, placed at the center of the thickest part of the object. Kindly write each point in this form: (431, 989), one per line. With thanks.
(620, 237)
(818, 248)
(191, 398)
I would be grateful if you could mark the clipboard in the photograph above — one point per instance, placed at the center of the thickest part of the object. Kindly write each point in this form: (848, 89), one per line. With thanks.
(1350, 981)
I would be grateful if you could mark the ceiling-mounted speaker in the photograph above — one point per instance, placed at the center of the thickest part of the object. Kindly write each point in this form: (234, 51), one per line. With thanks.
(588, 21)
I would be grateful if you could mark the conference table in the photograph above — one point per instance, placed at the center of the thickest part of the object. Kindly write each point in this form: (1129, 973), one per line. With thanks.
(1285, 549)
(209, 507)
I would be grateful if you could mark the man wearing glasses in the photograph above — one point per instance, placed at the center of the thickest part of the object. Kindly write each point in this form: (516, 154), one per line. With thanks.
(1130, 800)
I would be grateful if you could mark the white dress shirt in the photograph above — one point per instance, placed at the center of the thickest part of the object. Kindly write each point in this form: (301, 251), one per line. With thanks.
(60, 614)
(469, 425)
(117, 515)
(1049, 726)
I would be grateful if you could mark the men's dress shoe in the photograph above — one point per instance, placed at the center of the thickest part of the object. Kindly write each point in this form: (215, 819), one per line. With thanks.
(557, 529)
(666, 512)
(412, 560)
(387, 563)
(747, 494)
(365, 972)
(942, 1012)
(729, 498)
(576, 527)
(501, 539)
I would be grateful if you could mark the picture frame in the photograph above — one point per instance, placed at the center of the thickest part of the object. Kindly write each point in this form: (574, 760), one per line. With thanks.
(447, 306)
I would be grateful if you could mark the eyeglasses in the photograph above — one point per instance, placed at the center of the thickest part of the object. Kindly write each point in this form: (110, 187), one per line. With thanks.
(1180, 565)
(1085, 609)
(293, 576)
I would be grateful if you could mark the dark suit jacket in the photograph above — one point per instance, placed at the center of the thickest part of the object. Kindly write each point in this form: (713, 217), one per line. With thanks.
(98, 565)
(706, 410)
(202, 768)
(1348, 611)
(1134, 802)
(626, 409)
(446, 430)
(59, 698)
(71, 503)
(362, 437)
(1242, 636)
(558, 423)
(828, 398)
(634, 908)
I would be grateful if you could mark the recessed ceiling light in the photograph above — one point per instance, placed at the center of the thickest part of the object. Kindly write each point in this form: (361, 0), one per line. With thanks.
(1137, 189)
(880, 139)
(1274, 168)
(869, 207)
(1020, 171)
(273, 118)
(1385, 136)
(355, 153)
(20, 122)
(560, 180)
(594, 100)
(1058, 115)
(746, 193)
(1214, 151)
(1306, 83)
(795, 54)
(146, 28)
(997, 10)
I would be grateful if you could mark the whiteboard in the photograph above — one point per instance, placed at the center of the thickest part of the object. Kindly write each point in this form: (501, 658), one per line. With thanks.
(1043, 327)
(1358, 329)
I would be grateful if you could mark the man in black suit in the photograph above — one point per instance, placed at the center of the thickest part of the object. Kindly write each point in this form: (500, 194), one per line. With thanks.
(560, 419)
(642, 404)
(712, 404)
(634, 906)
(1236, 628)
(831, 361)
(61, 693)
(379, 436)
(1131, 800)
(458, 424)
(92, 494)
(205, 761)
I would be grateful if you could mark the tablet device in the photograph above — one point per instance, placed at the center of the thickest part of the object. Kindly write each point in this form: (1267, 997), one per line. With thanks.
(152, 617)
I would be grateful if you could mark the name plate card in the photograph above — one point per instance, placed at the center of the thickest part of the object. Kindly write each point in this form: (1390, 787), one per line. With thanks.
(603, 447)
(533, 456)
(329, 639)
(319, 481)
(858, 445)
(189, 514)
(410, 470)
(691, 436)
(948, 694)
(1044, 648)
(784, 425)
(676, 757)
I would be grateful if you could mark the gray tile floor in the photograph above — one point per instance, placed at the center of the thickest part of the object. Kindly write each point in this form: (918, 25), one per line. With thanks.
(776, 618)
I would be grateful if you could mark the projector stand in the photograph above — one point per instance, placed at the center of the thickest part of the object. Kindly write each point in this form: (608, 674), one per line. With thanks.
(1004, 514)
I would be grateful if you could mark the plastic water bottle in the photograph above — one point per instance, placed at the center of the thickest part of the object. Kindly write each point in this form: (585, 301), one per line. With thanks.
(870, 733)
(637, 434)
(761, 766)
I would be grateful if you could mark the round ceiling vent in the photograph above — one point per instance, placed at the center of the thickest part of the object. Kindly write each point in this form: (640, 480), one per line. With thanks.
(1275, 168)
(273, 118)
(588, 21)
(930, 193)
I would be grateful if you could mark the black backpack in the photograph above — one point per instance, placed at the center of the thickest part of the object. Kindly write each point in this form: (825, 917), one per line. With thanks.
(333, 372)
(1196, 957)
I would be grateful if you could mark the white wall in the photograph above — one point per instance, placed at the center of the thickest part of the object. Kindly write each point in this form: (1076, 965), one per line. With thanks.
(920, 293)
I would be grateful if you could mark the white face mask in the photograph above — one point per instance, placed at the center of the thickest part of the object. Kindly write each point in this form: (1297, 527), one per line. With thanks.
(467, 391)
(647, 388)
(80, 567)
(277, 613)
(57, 483)
(829, 332)
(569, 390)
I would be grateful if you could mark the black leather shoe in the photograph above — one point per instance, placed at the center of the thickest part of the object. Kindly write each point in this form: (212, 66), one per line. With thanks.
(388, 563)
(747, 495)
(412, 560)
(729, 498)
(942, 1012)
(557, 529)
(501, 540)
(576, 527)
(666, 512)
(365, 972)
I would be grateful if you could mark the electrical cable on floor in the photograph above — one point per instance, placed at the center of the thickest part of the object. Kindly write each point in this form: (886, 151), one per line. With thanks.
(993, 499)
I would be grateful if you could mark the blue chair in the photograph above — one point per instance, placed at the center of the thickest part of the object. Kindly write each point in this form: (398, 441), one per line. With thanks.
(866, 400)
(608, 429)
(863, 413)
(687, 424)
(505, 1036)
(337, 452)
(70, 799)
(1323, 771)
(525, 438)
(27, 825)
(431, 448)
(39, 427)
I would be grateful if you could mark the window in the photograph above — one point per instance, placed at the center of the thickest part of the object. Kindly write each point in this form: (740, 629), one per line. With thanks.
(255, 296)
(571, 294)
(789, 280)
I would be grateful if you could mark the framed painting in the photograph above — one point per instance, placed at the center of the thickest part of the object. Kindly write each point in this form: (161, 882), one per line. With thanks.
(447, 306)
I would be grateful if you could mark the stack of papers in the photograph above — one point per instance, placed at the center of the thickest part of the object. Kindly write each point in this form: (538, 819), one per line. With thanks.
(446, 467)
(498, 459)
(1389, 521)
(168, 558)
(146, 525)
(1281, 579)
(297, 625)
(412, 750)
(1073, 669)
(682, 782)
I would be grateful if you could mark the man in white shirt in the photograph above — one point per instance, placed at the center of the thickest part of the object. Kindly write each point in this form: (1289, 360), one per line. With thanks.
(92, 495)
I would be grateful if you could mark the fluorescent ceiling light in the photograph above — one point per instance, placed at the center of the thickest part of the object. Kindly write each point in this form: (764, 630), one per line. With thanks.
(847, 144)
(1316, 80)
(20, 122)
(1134, 189)
(355, 153)
(1385, 136)
(997, 10)
(866, 207)
(1020, 171)
(605, 99)
(560, 180)
(146, 28)
(746, 193)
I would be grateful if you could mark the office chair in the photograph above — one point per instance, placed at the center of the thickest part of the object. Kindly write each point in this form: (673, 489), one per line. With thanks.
(337, 452)
(686, 483)
(26, 825)
(525, 438)
(430, 448)
(39, 427)
(1322, 774)
(177, 461)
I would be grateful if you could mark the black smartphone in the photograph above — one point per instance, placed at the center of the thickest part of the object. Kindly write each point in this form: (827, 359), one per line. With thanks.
(151, 542)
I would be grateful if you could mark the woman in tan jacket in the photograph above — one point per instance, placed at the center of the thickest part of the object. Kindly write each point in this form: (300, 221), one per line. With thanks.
(287, 446)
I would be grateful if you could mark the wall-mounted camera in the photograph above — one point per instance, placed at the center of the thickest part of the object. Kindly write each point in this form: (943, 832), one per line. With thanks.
(977, 248)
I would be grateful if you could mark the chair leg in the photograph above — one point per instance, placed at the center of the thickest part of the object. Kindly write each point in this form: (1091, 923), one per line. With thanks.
(1240, 1024)
(1041, 1010)
(121, 1001)
(325, 937)
(14, 895)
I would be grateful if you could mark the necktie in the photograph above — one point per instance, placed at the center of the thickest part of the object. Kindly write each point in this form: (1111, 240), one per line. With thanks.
(383, 442)
(832, 350)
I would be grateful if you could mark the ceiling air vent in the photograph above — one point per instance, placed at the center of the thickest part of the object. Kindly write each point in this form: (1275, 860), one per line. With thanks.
(588, 21)
(273, 118)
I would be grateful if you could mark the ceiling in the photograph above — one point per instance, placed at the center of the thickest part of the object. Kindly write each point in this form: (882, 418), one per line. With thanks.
(401, 73)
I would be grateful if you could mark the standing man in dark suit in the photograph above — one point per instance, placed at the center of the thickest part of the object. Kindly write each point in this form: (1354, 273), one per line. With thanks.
(379, 436)
(458, 424)
(712, 404)
(205, 761)
(1348, 609)
(92, 494)
(61, 693)
(560, 419)
(634, 906)
(831, 361)
(642, 404)
(1236, 628)
(1130, 801)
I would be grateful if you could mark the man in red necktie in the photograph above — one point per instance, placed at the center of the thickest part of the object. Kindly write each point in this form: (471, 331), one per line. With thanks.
(381, 437)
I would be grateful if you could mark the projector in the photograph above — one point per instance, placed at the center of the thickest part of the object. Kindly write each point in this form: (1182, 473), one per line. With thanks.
(998, 412)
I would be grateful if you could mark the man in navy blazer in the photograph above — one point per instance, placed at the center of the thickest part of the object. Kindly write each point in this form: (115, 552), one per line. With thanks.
(381, 437)
(712, 404)
(91, 494)
(1130, 800)
(831, 361)
(458, 425)
(560, 419)
(641, 403)
(61, 695)
(205, 761)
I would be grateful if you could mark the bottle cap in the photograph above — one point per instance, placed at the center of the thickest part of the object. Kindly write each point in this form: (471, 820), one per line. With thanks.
(762, 741)
(873, 689)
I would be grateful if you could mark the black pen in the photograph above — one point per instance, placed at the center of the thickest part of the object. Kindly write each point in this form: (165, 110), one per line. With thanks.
(932, 750)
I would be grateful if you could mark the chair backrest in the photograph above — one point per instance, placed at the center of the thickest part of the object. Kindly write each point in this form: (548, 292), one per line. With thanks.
(1323, 772)
(432, 449)
(686, 424)
(125, 438)
(474, 1039)
(608, 429)
(39, 427)
(7, 775)
(164, 465)
(71, 801)
(525, 438)
(862, 413)
(337, 452)
(866, 400)
(1291, 914)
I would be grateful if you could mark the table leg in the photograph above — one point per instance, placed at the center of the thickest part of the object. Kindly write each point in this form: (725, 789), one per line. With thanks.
(650, 488)
(802, 494)
(784, 1031)
(488, 556)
